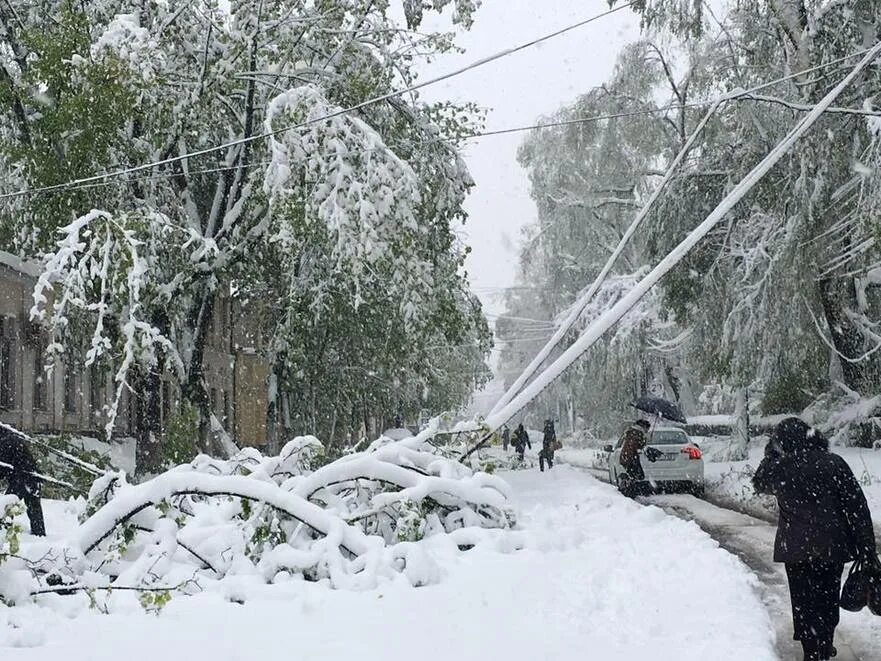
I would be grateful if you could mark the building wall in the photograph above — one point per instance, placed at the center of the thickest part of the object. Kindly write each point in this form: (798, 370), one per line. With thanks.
(252, 377)
(73, 397)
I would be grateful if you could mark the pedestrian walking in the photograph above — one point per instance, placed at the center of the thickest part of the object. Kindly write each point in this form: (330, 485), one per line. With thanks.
(521, 441)
(506, 438)
(548, 446)
(17, 467)
(824, 523)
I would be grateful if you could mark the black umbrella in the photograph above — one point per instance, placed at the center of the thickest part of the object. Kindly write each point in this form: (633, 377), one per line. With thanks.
(661, 408)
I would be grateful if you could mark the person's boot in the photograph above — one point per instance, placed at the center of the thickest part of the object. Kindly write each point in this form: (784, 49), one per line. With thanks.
(828, 651)
(812, 650)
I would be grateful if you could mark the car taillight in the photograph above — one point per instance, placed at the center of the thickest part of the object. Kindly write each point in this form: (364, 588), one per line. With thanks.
(693, 453)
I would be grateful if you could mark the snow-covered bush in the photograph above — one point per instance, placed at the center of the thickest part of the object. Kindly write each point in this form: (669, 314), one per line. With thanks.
(10, 508)
(15, 580)
(846, 417)
(364, 518)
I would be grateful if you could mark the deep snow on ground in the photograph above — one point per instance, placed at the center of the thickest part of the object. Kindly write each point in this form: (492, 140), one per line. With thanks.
(600, 577)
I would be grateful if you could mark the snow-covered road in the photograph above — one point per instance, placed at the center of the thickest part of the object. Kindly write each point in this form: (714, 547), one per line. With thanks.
(752, 540)
(749, 534)
(600, 577)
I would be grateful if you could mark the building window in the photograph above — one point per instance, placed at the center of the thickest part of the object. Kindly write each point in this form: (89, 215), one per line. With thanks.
(70, 391)
(7, 363)
(41, 399)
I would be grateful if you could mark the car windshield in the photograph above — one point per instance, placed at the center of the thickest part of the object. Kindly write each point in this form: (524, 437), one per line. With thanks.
(668, 437)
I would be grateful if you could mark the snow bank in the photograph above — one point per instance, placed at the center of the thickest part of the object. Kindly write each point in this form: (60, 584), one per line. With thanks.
(730, 482)
(595, 576)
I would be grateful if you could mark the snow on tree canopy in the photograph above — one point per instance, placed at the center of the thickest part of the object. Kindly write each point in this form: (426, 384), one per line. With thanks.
(355, 184)
(161, 110)
(132, 44)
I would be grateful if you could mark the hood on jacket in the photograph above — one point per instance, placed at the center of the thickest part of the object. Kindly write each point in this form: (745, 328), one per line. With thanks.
(794, 436)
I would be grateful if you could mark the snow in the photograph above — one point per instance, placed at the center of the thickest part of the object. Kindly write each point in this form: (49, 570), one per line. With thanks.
(397, 433)
(596, 576)
(627, 302)
(162, 487)
(131, 43)
(31, 269)
(575, 311)
(712, 420)
(119, 452)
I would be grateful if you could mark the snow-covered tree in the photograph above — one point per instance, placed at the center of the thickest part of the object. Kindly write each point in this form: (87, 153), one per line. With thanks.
(780, 299)
(357, 208)
(780, 285)
(588, 181)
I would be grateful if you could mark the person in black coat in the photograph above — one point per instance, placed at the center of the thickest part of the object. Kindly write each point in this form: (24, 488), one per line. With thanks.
(521, 441)
(17, 466)
(548, 446)
(824, 523)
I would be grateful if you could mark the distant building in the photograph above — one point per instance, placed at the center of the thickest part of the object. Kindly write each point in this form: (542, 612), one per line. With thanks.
(72, 398)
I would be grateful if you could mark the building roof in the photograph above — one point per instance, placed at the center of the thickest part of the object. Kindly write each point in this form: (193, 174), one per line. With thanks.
(28, 268)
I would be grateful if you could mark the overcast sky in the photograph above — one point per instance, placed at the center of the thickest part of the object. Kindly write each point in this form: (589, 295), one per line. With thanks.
(516, 90)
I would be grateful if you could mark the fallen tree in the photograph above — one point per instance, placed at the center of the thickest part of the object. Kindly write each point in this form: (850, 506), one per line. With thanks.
(354, 522)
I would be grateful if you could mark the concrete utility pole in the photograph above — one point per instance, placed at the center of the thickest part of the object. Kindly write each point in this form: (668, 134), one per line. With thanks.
(608, 319)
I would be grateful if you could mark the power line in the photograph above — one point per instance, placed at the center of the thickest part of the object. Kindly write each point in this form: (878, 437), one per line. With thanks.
(337, 113)
(584, 298)
(575, 311)
(613, 315)
(737, 95)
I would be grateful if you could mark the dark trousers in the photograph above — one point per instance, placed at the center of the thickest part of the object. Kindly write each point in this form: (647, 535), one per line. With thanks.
(28, 491)
(815, 589)
(634, 470)
(546, 455)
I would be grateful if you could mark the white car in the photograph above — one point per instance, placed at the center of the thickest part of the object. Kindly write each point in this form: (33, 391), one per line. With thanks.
(679, 464)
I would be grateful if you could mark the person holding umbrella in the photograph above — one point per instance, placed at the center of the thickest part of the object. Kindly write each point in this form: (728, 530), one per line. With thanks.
(824, 523)
(634, 442)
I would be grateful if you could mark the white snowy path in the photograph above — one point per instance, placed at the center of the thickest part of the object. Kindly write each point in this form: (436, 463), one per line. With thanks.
(601, 578)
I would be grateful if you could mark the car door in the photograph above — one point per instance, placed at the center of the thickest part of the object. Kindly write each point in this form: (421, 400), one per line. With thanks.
(614, 465)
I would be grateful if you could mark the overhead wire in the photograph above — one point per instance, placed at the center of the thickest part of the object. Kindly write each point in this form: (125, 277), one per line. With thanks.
(471, 136)
(331, 115)
(600, 326)
(577, 309)
(114, 177)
